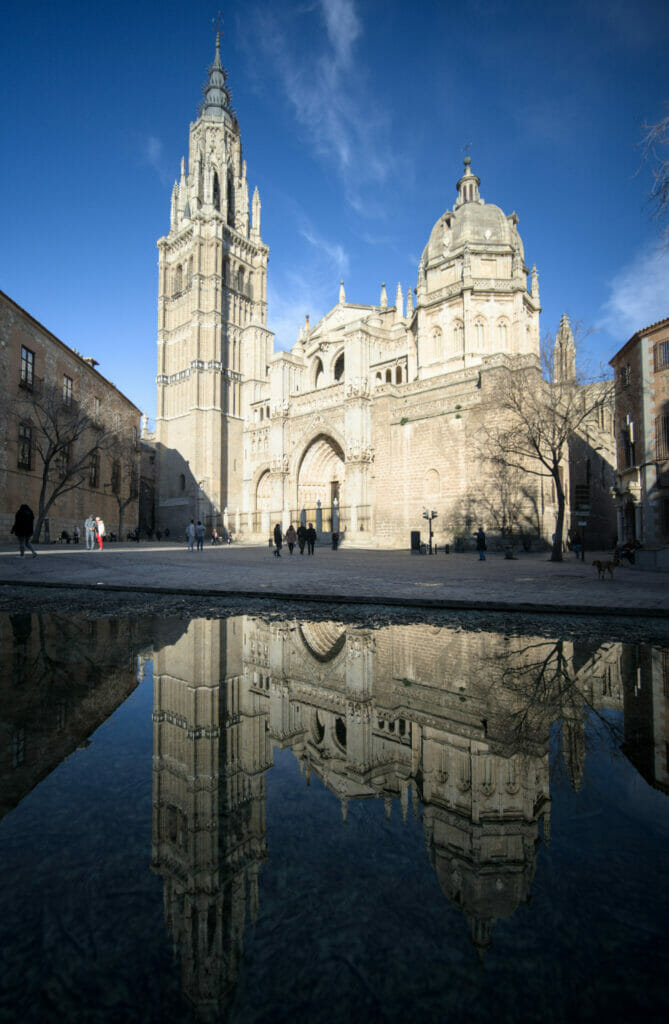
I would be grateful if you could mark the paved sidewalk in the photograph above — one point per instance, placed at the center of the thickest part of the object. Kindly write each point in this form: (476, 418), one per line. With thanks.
(355, 576)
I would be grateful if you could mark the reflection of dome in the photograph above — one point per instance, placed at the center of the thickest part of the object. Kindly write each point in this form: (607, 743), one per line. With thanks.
(471, 221)
(324, 640)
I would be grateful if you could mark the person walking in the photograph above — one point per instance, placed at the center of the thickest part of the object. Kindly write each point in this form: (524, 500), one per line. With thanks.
(481, 545)
(199, 533)
(278, 540)
(291, 538)
(75, 534)
(311, 539)
(190, 534)
(24, 524)
(335, 539)
(99, 531)
(301, 537)
(89, 530)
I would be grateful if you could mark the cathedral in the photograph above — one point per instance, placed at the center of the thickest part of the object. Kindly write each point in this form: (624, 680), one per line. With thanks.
(374, 413)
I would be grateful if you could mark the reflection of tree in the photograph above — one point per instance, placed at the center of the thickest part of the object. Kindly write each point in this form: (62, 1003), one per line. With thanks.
(544, 691)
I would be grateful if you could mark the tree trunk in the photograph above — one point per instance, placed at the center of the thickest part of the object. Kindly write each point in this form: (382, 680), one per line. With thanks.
(556, 553)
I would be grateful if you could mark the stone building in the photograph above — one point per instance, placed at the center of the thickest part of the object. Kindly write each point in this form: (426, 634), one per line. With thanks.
(641, 370)
(36, 367)
(376, 410)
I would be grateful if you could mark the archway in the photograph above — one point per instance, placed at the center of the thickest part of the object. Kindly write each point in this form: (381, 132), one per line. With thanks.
(321, 474)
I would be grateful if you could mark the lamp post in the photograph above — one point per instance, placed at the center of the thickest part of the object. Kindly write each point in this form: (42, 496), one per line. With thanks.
(429, 514)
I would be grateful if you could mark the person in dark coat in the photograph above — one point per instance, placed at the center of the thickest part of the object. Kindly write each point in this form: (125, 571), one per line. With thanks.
(335, 539)
(480, 543)
(311, 539)
(278, 540)
(24, 524)
(301, 537)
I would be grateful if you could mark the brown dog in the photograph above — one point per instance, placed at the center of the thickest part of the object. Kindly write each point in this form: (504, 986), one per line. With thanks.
(604, 567)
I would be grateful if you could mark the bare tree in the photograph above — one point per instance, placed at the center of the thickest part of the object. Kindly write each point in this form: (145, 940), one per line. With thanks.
(543, 404)
(61, 432)
(123, 450)
(655, 146)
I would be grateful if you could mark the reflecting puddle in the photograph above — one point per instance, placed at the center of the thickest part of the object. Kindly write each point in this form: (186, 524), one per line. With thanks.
(258, 821)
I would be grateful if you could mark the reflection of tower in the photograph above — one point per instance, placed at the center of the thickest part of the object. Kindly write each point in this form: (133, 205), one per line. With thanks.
(211, 751)
(646, 696)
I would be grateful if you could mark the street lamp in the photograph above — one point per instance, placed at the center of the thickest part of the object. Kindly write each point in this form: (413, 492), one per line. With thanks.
(429, 514)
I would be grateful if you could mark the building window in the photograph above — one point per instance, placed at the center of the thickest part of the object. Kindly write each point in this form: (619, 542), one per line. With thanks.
(27, 367)
(661, 355)
(625, 375)
(501, 333)
(116, 476)
(64, 458)
(68, 385)
(217, 192)
(25, 446)
(94, 470)
(182, 482)
(339, 368)
(628, 444)
(398, 375)
(96, 410)
(662, 437)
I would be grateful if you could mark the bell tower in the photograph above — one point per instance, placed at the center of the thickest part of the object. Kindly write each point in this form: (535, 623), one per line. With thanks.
(213, 342)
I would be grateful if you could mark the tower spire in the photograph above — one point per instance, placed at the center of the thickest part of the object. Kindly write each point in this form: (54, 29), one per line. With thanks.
(216, 94)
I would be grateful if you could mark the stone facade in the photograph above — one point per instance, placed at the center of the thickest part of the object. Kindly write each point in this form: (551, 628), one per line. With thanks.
(375, 412)
(642, 429)
(31, 357)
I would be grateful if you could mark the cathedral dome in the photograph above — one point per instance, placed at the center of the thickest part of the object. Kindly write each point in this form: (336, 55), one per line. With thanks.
(471, 222)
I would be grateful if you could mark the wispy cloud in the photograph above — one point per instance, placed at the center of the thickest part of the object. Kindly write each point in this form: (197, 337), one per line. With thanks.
(334, 252)
(326, 88)
(639, 294)
(152, 154)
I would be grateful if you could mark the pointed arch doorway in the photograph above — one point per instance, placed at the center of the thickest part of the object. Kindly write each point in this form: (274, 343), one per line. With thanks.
(321, 476)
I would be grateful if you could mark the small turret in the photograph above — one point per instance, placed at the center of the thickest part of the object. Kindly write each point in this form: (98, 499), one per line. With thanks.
(468, 186)
(409, 302)
(535, 282)
(383, 301)
(564, 352)
(342, 294)
(255, 214)
(399, 302)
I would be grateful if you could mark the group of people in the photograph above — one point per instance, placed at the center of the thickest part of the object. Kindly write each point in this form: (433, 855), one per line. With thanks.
(24, 527)
(94, 528)
(304, 536)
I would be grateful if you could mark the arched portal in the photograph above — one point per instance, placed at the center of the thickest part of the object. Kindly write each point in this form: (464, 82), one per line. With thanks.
(264, 493)
(321, 473)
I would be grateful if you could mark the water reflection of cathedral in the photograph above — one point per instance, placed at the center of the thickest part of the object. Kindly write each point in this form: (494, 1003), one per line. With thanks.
(456, 723)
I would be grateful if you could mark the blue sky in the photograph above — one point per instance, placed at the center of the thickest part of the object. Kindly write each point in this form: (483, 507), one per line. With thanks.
(354, 115)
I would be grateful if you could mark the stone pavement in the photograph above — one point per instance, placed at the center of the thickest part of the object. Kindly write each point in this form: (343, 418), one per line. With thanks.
(531, 583)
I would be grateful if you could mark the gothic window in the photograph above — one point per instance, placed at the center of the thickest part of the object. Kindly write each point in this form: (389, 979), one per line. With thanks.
(25, 446)
(458, 336)
(502, 333)
(217, 192)
(398, 375)
(479, 334)
(435, 351)
(628, 443)
(178, 280)
(116, 476)
(379, 378)
(182, 482)
(189, 275)
(319, 376)
(68, 384)
(225, 270)
(27, 367)
(231, 201)
(249, 286)
(339, 368)
(389, 376)
(240, 280)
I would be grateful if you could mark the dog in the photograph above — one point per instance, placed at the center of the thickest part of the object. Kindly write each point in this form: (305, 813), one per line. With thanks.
(604, 567)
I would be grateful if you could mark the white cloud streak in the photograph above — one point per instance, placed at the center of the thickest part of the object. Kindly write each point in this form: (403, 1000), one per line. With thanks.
(329, 97)
(153, 155)
(639, 294)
